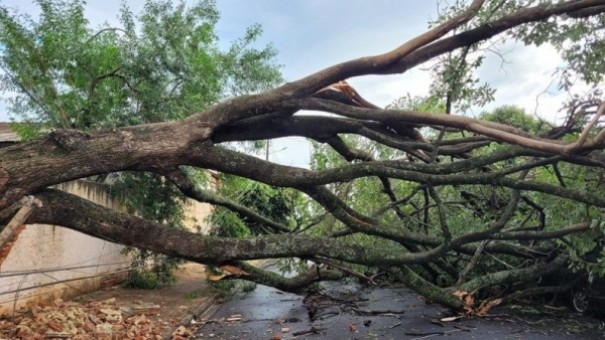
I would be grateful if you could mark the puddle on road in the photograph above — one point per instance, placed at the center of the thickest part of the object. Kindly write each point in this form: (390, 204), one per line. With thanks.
(348, 311)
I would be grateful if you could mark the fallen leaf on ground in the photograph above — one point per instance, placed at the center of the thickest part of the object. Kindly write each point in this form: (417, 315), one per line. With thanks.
(85, 321)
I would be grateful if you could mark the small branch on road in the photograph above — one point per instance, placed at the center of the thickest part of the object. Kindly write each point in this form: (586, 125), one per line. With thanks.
(312, 330)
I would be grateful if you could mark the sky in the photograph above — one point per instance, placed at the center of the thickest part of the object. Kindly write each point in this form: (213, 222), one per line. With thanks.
(312, 34)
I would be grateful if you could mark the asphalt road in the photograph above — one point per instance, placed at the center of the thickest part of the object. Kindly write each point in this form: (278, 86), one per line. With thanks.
(380, 313)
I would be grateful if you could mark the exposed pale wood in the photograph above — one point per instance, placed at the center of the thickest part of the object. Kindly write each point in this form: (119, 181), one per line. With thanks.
(29, 204)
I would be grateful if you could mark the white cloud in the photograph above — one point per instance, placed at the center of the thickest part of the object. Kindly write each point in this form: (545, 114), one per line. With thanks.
(382, 90)
(523, 76)
(3, 112)
(292, 151)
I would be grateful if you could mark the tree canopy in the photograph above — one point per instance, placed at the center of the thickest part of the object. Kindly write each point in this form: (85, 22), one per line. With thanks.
(160, 65)
(451, 205)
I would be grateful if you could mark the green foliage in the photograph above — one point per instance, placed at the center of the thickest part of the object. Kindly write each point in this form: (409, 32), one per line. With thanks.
(430, 103)
(281, 205)
(194, 295)
(142, 280)
(150, 270)
(227, 223)
(287, 266)
(269, 201)
(25, 131)
(277, 204)
(163, 204)
(580, 41)
(468, 208)
(164, 64)
(455, 81)
(232, 287)
(513, 116)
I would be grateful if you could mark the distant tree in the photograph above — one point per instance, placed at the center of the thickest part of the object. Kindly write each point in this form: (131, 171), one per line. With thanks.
(514, 116)
(163, 66)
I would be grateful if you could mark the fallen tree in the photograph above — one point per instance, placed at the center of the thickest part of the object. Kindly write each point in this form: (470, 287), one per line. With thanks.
(467, 207)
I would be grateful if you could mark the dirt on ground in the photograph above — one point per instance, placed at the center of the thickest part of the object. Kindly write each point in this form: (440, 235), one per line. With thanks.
(178, 303)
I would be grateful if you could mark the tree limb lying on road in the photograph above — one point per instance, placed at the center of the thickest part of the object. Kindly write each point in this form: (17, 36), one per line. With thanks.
(414, 205)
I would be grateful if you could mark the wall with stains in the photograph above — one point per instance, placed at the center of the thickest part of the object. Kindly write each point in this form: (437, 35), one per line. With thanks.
(45, 262)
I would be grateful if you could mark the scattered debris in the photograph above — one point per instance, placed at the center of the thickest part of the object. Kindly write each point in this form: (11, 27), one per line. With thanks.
(451, 318)
(183, 332)
(366, 312)
(93, 320)
(312, 330)
(234, 317)
(395, 325)
(433, 334)
(437, 322)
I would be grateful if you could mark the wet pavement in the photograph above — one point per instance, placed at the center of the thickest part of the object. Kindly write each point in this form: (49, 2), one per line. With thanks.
(379, 313)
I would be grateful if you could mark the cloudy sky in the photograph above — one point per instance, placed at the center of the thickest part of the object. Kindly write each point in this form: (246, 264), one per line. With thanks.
(312, 34)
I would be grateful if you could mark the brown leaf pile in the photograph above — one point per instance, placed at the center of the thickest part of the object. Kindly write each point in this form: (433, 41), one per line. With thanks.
(103, 320)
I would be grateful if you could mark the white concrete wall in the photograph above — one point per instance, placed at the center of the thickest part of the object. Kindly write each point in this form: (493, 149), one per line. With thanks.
(89, 263)
(195, 216)
(196, 213)
(47, 262)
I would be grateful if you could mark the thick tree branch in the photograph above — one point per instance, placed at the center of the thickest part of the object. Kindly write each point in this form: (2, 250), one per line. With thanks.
(536, 291)
(295, 284)
(236, 163)
(542, 235)
(75, 213)
(490, 29)
(493, 130)
(189, 189)
(514, 275)
(367, 65)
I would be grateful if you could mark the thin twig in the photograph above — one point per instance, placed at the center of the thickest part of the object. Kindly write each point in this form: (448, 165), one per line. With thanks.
(471, 264)
(447, 236)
